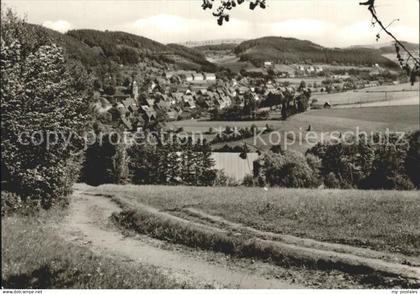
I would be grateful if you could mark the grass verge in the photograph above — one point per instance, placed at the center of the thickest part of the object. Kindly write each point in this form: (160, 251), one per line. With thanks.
(34, 257)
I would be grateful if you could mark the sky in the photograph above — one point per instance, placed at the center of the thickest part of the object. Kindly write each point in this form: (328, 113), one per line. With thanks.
(333, 23)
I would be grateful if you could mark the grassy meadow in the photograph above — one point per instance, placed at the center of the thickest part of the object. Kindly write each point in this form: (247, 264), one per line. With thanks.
(395, 92)
(322, 122)
(380, 220)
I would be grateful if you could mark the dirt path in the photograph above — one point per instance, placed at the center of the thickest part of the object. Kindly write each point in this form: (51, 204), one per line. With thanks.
(86, 223)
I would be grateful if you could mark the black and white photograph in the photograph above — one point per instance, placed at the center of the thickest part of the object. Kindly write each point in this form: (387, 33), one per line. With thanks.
(210, 144)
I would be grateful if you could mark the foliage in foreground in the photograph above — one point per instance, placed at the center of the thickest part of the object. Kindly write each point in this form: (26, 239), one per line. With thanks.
(33, 257)
(43, 114)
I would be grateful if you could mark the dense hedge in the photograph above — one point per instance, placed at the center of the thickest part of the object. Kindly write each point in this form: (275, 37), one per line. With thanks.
(43, 114)
(289, 169)
(382, 161)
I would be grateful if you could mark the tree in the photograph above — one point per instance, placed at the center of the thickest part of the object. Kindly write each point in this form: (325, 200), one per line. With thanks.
(413, 159)
(289, 169)
(99, 166)
(43, 98)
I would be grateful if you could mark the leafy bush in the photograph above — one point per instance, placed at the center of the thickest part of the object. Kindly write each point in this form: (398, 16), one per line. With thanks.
(223, 180)
(382, 161)
(43, 100)
(248, 181)
(350, 163)
(331, 181)
(412, 163)
(286, 169)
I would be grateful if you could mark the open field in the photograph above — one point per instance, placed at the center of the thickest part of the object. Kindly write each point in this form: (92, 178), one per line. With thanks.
(414, 101)
(404, 115)
(393, 92)
(380, 220)
(322, 122)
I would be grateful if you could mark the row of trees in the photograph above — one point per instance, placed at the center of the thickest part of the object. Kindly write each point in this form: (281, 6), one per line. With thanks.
(390, 162)
(379, 162)
(178, 161)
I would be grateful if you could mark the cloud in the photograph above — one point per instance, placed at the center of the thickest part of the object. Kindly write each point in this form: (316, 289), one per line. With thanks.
(303, 28)
(170, 28)
(167, 28)
(60, 25)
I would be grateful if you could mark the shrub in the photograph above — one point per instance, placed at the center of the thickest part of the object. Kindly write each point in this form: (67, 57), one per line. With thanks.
(412, 163)
(222, 180)
(248, 181)
(381, 161)
(388, 169)
(286, 169)
(331, 181)
(350, 163)
(44, 99)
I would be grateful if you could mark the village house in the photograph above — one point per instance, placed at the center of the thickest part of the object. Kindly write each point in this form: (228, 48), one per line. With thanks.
(120, 115)
(197, 77)
(150, 102)
(130, 104)
(210, 76)
(268, 64)
(148, 113)
(163, 105)
(189, 101)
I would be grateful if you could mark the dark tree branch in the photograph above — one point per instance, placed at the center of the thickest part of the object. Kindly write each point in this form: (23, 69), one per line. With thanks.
(372, 10)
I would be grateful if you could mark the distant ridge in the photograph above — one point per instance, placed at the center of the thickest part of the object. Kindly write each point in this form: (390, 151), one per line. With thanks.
(290, 50)
(94, 48)
(212, 42)
(389, 47)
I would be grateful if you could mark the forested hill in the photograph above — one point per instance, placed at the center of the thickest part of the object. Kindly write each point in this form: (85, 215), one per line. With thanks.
(96, 48)
(391, 48)
(290, 50)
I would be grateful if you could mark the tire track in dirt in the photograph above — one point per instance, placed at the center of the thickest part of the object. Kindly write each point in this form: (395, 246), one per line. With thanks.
(86, 223)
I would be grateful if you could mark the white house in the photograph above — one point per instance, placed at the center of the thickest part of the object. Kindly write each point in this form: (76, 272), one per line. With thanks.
(210, 76)
(268, 64)
(198, 77)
